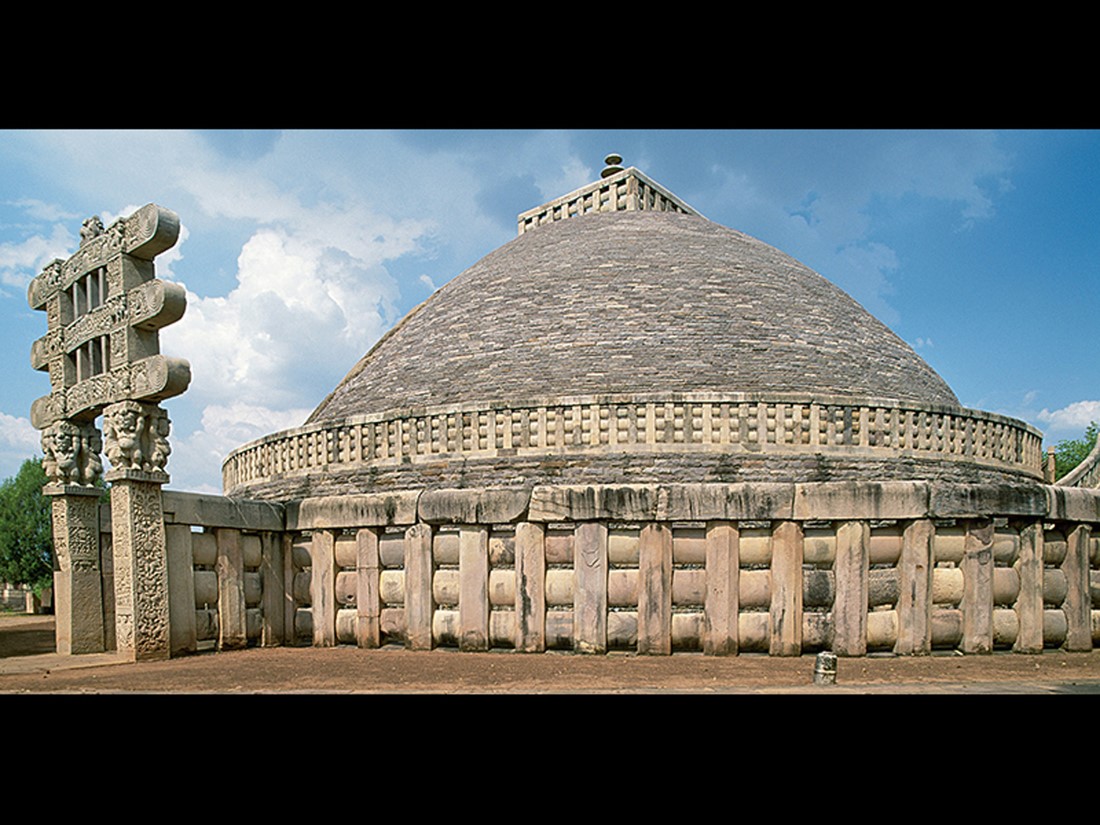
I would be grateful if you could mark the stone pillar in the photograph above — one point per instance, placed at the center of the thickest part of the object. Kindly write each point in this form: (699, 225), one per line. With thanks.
(140, 565)
(1078, 604)
(419, 604)
(78, 582)
(590, 588)
(368, 599)
(786, 603)
(181, 589)
(853, 540)
(977, 599)
(473, 587)
(915, 589)
(723, 566)
(232, 624)
(655, 591)
(1029, 604)
(275, 591)
(136, 442)
(530, 587)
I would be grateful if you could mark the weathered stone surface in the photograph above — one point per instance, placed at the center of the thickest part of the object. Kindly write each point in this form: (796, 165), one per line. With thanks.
(706, 502)
(1078, 603)
(590, 589)
(473, 576)
(655, 589)
(323, 588)
(530, 587)
(587, 503)
(181, 589)
(140, 570)
(418, 587)
(275, 595)
(861, 500)
(1073, 504)
(850, 606)
(366, 510)
(985, 500)
(478, 506)
(78, 585)
(786, 587)
(977, 599)
(915, 597)
(1029, 606)
(721, 605)
(220, 511)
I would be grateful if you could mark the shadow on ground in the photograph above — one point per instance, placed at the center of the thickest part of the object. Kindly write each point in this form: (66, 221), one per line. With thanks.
(23, 635)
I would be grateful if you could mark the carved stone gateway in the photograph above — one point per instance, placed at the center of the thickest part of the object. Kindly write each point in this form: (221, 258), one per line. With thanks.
(104, 310)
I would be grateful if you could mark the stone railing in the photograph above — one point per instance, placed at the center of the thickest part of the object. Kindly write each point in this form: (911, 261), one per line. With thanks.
(625, 191)
(645, 425)
(781, 569)
(224, 589)
(1085, 474)
(853, 567)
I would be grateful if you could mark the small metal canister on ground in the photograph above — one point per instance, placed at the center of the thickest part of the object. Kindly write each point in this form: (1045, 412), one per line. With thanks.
(825, 668)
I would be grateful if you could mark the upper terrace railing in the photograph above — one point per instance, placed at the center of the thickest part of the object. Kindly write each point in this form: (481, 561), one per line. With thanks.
(733, 424)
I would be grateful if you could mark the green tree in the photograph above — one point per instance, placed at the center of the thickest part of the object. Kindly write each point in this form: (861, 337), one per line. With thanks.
(26, 534)
(1071, 452)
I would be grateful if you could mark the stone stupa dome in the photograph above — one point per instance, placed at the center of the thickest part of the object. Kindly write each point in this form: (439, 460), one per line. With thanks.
(635, 341)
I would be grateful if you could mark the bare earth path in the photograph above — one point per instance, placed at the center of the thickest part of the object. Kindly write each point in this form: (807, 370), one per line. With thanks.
(28, 665)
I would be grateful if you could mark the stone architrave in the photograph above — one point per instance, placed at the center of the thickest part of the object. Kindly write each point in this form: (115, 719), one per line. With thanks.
(104, 309)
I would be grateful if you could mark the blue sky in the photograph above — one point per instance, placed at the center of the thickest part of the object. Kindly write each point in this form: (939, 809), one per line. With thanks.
(300, 248)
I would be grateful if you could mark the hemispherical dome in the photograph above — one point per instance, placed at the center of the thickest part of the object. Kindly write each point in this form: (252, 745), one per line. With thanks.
(633, 302)
(634, 346)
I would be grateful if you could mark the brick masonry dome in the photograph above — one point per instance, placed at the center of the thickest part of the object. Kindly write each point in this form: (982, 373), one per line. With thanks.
(624, 338)
(633, 302)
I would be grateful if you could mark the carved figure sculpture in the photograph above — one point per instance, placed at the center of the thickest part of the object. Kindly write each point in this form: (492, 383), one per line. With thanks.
(91, 228)
(71, 453)
(61, 447)
(123, 428)
(159, 448)
(91, 466)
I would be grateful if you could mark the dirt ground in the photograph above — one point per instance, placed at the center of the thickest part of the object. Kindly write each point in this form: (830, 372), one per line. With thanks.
(29, 665)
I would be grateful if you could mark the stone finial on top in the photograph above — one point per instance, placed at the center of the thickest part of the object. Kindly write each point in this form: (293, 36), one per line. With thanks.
(618, 190)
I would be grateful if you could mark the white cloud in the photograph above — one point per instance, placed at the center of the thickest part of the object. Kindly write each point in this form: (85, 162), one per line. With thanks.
(195, 463)
(1074, 417)
(21, 261)
(18, 442)
(41, 211)
(18, 433)
(300, 316)
(428, 282)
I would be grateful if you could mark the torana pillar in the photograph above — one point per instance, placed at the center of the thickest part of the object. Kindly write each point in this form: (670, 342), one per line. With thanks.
(72, 465)
(136, 440)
